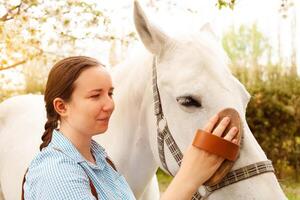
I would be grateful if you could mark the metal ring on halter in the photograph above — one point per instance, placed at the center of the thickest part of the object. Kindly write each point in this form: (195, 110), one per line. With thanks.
(162, 123)
(204, 192)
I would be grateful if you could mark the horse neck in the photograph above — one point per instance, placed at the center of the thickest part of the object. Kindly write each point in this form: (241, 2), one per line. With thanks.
(250, 151)
(133, 157)
(264, 186)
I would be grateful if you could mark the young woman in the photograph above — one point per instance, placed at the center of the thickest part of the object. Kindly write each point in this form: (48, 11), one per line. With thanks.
(71, 165)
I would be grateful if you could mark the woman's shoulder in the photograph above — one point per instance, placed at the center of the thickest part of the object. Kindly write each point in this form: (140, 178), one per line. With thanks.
(54, 175)
(51, 162)
(50, 155)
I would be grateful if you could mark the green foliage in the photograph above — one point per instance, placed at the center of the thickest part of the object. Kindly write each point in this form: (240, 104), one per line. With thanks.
(36, 33)
(247, 46)
(273, 113)
(164, 180)
(5, 94)
(30, 32)
(291, 189)
(223, 4)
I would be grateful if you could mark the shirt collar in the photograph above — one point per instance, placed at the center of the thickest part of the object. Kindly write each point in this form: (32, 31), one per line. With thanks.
(62, 143)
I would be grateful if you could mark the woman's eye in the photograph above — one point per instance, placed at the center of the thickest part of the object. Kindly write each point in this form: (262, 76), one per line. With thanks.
(95, 96)
(188, 101)
(111, 94)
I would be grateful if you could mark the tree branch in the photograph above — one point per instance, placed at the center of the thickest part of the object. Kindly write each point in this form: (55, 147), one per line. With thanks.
(10, 15)
(2, 68)
(13, 65)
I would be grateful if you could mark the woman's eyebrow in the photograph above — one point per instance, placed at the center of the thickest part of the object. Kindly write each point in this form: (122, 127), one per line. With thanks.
(96, 90)
(100, 90)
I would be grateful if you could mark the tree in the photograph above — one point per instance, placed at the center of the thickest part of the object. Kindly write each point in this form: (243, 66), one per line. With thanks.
(248, 48)
(36, 33)
(288, 16)
(29, 29)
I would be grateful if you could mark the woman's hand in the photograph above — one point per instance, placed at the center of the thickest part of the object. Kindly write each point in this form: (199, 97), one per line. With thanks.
(198, 165)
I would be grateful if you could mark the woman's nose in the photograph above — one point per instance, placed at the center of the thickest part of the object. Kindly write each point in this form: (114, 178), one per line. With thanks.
(109, 104)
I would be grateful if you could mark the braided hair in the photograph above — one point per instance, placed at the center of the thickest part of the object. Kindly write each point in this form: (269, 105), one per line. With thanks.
(60, 84)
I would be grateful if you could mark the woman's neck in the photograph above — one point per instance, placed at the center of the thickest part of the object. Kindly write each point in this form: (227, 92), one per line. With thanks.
(81, 141)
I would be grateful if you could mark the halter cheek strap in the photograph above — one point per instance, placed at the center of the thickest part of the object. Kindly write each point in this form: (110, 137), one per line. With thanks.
(163, 132)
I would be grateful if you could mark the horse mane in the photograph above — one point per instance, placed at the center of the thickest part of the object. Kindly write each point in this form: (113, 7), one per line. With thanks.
(134, 73)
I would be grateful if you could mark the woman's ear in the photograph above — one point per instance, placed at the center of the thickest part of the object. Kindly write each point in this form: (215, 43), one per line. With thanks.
(60, 106)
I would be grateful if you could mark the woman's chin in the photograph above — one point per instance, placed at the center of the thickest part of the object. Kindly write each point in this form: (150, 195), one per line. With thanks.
(102, 129)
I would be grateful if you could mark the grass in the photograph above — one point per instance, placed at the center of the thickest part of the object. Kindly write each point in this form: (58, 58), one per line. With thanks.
(290, 188)
(163, 180)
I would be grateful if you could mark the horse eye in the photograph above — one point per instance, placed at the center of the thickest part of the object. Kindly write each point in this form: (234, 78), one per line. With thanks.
(188, 101)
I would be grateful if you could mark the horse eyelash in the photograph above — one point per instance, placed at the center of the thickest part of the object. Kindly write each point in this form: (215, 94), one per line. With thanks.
(185, 100)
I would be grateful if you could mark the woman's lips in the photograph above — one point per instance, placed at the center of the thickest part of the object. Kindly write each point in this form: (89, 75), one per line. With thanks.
(103, 119)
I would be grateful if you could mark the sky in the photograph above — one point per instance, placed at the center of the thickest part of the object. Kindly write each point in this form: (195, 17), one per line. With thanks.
(262, 12)
(193, 13)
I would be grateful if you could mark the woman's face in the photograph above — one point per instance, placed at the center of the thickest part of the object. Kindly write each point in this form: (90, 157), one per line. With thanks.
(91, 103)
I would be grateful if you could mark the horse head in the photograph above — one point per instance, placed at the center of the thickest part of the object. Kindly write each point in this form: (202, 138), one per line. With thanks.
(194, 82)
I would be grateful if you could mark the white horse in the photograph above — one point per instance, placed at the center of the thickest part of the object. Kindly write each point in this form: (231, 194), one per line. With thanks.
(194, 83)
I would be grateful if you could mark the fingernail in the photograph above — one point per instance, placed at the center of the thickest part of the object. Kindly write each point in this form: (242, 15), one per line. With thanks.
(227, 119)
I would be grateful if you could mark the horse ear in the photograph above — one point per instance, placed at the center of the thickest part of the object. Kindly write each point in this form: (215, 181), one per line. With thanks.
(152, 37)
(208, 29)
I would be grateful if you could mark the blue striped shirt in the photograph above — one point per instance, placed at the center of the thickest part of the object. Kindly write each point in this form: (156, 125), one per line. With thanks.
(59, 171)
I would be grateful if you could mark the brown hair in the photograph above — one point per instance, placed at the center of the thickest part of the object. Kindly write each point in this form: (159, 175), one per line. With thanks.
(60, 84)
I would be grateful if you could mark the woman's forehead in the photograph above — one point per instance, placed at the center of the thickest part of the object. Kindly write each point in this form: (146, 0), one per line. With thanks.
(94, 78)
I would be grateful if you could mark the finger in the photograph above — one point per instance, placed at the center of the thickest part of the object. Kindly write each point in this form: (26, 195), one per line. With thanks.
(231, 134)
(235, 141)
(221, 126)
(211, 123)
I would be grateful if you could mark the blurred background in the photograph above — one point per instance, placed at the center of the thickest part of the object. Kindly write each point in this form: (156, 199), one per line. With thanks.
(259, 36)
